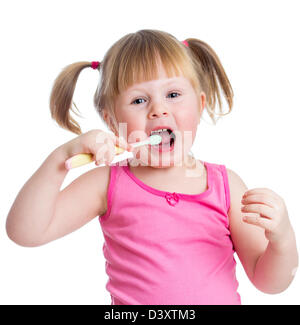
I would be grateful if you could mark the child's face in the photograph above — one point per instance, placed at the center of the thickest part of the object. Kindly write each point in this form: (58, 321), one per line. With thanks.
(166, 101)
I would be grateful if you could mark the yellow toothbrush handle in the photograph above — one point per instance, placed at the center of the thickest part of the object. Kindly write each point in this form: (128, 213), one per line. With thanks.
(118, 150)
(85, 158)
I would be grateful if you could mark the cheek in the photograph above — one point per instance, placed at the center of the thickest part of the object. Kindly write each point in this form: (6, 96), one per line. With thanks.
(135, 124)
(187, 120)
(130, 119)
(135, 127)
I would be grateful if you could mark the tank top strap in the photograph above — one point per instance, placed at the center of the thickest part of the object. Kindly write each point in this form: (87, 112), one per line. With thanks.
(114, 172)
(220, 183)
(226, 186)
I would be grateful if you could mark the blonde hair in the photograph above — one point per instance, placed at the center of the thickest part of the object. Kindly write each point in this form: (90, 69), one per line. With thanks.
(133, 59)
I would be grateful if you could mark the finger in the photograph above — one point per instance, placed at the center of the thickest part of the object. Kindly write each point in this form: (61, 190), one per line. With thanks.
(258, 221)
(260, 198)
(101, 153)
(104, 142)
(110, 157)
(122, 143)
(263, 210)
(261, 190)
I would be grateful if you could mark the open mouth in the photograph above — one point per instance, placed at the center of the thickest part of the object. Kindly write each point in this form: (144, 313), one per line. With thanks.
(168, 139)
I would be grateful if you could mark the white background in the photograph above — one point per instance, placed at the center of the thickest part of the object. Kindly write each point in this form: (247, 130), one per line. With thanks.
(258, 44)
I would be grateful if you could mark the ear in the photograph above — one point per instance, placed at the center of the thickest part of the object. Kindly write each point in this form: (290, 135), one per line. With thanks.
(109, 121)
(202, 103)
(202, 100)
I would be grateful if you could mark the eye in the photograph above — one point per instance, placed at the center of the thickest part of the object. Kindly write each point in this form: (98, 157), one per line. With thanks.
(138, 99)
(174, 93)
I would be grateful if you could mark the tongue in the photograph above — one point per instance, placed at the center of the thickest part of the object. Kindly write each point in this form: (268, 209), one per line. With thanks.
(166, 138)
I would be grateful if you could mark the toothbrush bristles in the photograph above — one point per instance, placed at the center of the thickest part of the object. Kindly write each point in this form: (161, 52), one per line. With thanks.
(152, 140)
(155, 139)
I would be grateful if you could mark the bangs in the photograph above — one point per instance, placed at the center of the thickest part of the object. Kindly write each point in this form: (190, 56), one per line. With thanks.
(140, 58)
(145, 68)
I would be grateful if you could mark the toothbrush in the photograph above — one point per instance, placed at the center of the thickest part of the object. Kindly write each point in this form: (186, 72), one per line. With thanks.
(86, 158)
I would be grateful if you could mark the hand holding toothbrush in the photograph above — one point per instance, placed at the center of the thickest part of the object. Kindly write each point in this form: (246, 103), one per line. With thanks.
(94, 145)
(102, 147)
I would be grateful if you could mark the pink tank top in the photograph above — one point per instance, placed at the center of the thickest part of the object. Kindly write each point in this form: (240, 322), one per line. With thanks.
(166, 248)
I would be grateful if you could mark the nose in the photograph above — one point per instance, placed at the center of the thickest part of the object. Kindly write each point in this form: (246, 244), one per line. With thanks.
(158, 110)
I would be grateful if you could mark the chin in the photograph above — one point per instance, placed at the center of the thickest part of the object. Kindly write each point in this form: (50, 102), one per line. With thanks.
(154, 159)
(164, 161)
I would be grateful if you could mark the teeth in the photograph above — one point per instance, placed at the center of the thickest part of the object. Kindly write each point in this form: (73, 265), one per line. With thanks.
(158, 131)
(165, 141)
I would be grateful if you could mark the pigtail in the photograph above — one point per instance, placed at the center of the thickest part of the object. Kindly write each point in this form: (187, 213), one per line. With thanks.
(62, 94)
(212, 70)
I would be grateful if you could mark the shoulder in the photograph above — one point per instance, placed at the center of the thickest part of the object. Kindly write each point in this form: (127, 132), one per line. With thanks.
(96, 182)
(102, 178)
(98, 177)
(235, 180)
(237, 188)
(249, 241)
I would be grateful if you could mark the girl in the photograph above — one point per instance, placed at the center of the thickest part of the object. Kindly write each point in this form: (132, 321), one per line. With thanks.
(171, 223)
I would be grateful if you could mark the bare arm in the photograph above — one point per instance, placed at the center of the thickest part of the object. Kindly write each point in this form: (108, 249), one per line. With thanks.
(42, 213)
(269, 266)
(249, 241)
(277, 266)
(34, 205)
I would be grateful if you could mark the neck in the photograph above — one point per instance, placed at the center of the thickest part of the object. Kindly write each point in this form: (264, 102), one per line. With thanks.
(189, 168)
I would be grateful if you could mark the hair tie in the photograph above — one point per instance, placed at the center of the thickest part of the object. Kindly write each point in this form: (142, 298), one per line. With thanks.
(95, 64)
(185, 43)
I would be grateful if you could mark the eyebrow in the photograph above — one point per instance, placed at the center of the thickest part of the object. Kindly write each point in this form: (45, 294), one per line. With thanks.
(165, 84)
